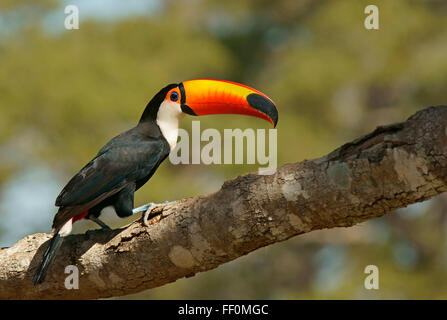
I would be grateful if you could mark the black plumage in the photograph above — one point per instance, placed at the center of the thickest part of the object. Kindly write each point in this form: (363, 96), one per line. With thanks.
(120, 168)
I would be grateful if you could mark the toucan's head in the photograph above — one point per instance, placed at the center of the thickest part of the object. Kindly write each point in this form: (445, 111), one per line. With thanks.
(207, 96)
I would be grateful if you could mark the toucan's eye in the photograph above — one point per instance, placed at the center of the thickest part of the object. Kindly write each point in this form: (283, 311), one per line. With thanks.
(174, 96)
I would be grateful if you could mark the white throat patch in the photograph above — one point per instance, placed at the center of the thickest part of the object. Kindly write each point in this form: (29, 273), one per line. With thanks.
(168, 119)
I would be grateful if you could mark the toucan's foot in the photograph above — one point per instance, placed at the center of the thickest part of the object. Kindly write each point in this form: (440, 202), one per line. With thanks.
(147, 208)
(100, 223)
(143, 208)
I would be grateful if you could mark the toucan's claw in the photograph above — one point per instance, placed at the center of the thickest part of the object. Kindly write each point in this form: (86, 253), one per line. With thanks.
(146, 217)
(100, 223)
(147, 208)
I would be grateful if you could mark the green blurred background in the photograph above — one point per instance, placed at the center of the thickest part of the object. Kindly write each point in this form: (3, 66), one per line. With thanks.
(63, 94)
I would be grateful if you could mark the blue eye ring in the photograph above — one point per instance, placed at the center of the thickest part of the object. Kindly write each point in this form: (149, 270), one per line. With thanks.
(174, 96)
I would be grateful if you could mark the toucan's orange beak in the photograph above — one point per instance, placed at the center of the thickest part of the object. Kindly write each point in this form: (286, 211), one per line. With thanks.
(206, 96)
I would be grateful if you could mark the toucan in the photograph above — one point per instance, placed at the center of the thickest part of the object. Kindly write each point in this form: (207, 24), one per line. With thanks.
(130, 159)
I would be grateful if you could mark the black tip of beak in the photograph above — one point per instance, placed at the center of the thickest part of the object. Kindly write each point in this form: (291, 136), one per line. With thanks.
(264, 105)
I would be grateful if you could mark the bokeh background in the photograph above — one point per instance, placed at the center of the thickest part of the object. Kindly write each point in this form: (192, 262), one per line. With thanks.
(63, 94)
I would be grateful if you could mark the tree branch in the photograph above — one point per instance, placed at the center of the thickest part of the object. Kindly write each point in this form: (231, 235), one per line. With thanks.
(390, 168)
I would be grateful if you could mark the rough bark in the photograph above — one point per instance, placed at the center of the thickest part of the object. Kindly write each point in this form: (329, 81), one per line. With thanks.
(390, 168)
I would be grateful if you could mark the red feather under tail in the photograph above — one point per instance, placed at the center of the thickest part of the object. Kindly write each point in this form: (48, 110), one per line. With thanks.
(79, 216)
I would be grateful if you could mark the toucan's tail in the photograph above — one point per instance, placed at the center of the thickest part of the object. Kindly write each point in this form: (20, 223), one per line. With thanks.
(48, 258)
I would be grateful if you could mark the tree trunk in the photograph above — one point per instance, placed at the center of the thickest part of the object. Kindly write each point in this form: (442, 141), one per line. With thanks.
(390, 168)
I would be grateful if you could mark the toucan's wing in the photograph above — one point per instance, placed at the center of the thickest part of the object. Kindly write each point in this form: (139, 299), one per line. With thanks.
(109, 172)
(66, 213)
